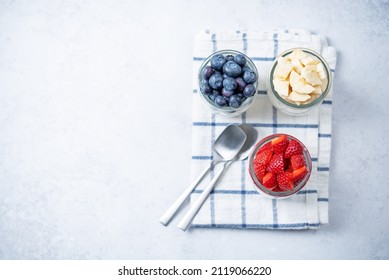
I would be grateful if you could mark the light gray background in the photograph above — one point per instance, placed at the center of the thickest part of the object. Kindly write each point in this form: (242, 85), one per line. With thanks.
(95, 129)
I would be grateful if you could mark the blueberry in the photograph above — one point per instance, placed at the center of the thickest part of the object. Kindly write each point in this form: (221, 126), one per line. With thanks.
(230, 57)
(240, 84)
(207, 72)
(230, 83)
(240, 59)
(232, 69)
(249, 76)
(216, 81)
(249, 90)
(214, 94)
(206, 89)
(226, 92)
(220, 100)
(217, 61)
(235, 101)
(204, 82)
(245, 68)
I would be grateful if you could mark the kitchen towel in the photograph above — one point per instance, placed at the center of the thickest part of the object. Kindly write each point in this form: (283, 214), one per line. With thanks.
(234, 203)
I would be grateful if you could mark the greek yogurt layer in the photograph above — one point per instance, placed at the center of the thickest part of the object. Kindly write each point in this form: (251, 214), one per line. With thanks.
(299, 77)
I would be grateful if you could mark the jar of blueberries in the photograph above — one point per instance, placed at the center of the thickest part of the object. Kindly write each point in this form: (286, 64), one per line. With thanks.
(228, 82)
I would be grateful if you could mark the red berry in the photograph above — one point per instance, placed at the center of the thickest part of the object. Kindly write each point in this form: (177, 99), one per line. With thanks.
(260, 171)
(265, 147)
(299, 173)
(284, 181)
(263, 158)
(280, 144)
(297, 161)
(276, 164)
(270, 181)
(294, 148)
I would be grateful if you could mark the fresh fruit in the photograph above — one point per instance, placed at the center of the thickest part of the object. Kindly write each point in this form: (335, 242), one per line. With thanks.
(220, 100)
(249, 76)
(216, 81)
(267, 146)
(240, 59)
(284, 66)
(249, 90)
(294, 148)
(229, 83)
(280, 144)
(205, 88)
(299, 77)
(213, 95)
(297, 161)
(240, 84)
(263, 157)
(260, 171)
(270, 181)
(217, 61)
(299, 97)
(299, 174)
(280, 164)
(284, 181)
(235, 101)
(229, 57)
(298, 83)
(276, 164)
(281, 86)
(207, 72)
(231, 77)
(227, 93)
(232, 69)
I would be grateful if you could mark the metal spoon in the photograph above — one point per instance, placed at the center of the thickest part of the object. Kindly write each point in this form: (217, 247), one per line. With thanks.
(251, 138)
(226, 146)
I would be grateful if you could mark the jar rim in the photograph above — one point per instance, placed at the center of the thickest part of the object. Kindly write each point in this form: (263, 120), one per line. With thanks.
(259, 187)
(322, 96)
(222, 109)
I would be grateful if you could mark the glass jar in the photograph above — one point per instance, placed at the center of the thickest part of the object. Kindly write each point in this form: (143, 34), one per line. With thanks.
(291, 108)
(227, 110)
(278, 194)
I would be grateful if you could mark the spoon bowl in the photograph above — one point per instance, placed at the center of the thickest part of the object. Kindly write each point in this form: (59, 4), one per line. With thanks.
(251, 140)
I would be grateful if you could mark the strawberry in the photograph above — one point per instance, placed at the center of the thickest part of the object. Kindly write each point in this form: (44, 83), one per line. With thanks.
(260, 171)
(299, 174)
(270, 181)
(284, 181)
(267, 146)
(297, 161)
(279, 144)
(263, 157)
(276, 164)
(294, 148)
(289, 168)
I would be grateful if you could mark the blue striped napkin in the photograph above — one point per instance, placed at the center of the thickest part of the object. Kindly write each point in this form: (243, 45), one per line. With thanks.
(234, 203)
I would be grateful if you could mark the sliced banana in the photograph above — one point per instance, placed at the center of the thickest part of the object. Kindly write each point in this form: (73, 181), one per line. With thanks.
(299, 77)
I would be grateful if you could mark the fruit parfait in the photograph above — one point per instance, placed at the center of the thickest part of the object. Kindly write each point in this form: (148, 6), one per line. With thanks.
(299, 81)
(280, 166)
(228, 82)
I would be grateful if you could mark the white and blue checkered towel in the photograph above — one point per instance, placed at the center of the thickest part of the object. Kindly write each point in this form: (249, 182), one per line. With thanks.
(234, 203)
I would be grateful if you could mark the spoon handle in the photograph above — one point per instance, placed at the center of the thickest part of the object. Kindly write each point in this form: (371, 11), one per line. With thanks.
(165, 218)
(186, 221)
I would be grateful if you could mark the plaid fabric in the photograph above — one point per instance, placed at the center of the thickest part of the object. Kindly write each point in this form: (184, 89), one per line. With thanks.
(234, 203)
